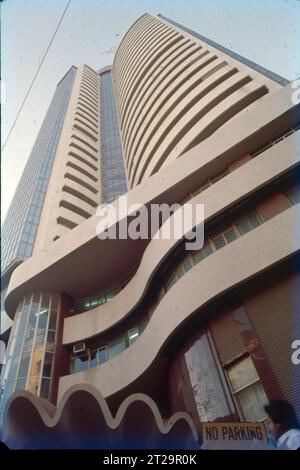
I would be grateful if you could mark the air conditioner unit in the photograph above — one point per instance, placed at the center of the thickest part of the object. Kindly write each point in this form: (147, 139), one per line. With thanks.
(78, 347)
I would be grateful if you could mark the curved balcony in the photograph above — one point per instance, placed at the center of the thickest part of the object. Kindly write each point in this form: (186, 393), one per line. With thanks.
(75, 251)
(259, 250)
(216, 199)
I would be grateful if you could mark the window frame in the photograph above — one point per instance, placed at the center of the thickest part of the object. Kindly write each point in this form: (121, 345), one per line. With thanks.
(234, 394)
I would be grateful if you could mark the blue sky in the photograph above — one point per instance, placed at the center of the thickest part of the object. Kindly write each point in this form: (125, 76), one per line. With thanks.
(265, 31)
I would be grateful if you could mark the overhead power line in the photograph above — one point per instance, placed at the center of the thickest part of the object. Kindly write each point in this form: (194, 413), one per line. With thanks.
(35, 76)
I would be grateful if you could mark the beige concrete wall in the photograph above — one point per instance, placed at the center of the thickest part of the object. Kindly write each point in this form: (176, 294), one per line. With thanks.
(217, 198)
(75, 252)
(253, 253)
(160, 74)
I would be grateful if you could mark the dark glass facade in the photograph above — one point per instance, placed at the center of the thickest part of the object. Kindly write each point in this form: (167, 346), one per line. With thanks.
(30, 351)
(113, 178)
(21, 222)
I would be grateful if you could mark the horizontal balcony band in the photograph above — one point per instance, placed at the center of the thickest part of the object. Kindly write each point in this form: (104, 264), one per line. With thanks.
(170, 185)
(259, 250)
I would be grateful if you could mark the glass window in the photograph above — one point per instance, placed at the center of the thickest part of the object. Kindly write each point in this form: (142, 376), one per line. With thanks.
(252, 400)
(24, 364)
(21, 384)
(47, 364)
(116, 347)
(219, 241)
(205, 382)
(110, 295)
(45, 386)
(101, 300)
(93, 358)
(13, 368)
(133, 335)
(247, 389)
(42, 318)
(187, 265)
(53, 319)
(243, 226)
(197, 257)
(207, 249)
(36, 361)
(50, 341)
(80, 363)
(171, 281)
(254, 220)
(32, 318)
(17, 344)
(294, 194)
(102, 355)
(180, 271)
(230, 235)
(54, 301)
(242, 374)
(143, 323)
(33, 385)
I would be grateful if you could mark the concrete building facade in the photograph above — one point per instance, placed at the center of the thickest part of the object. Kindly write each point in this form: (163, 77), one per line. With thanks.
(131, 328)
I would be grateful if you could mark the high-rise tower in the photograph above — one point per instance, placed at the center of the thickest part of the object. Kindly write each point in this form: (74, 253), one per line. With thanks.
(20, 225)
(111, 319)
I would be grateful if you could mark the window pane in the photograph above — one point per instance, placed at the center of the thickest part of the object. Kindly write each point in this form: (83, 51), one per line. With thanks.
(219, 241)
(23, 319)
(24, 364)
(230, 235)
(101, 300)
(197, 257)
(102, 355)
(42, 318)
(80, 363)
(294, 194)
(116, 347)
(242, 374)
(206, 385)
(21, 384)
(39, 339)
(13, 368)
(143, 323)
(45, 385)
(180, 271)
(54, 301)
(17, 345)
(243, 226)
(36, 362)
(207, 250)
(172, 280)
(187, 265)
(133, 335)
(31, 322)
(47, 365)
(52, 320)
(252, 400)
(110, 295)
(94, 359)
(254, 220)
(45, 301)
(33, 385)
(50, 341)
